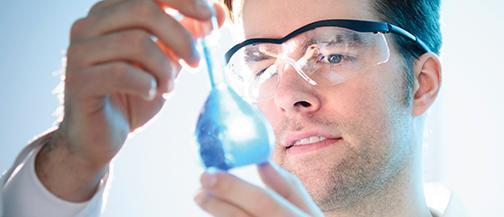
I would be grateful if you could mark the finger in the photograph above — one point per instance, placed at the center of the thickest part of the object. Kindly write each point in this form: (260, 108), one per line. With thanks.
(191, 9)
(251, 198)
(288, 186)
(201, 28)
(172, 56)
(132, 46)
(198, 9)
(106, 79)
(139, 14)
(218, 207)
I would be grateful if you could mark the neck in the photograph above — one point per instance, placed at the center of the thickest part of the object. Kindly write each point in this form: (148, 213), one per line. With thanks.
(401, 196)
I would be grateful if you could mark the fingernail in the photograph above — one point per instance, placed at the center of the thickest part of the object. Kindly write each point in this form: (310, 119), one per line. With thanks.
(152, 91)
(209, 178)
(205, 7)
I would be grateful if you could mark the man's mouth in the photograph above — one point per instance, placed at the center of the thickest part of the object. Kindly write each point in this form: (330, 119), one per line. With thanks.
(309, 142)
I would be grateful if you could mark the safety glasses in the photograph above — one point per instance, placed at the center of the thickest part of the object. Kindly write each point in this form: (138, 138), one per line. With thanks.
(323, 53)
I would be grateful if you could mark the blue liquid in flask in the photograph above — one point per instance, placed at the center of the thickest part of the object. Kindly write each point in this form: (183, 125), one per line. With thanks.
(230, 132)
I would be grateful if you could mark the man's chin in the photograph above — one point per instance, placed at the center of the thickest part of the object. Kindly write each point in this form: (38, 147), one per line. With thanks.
(316, 176)
(331, 190)
(331, 180)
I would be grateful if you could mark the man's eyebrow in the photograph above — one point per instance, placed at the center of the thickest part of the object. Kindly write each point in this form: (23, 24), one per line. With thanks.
(254, 54)
(352, 39)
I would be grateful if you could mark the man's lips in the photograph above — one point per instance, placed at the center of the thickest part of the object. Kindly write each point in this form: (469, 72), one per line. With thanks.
(311, 147)
(309, 138)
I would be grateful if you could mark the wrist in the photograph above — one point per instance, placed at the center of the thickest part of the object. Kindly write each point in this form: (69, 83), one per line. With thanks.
(66, 174)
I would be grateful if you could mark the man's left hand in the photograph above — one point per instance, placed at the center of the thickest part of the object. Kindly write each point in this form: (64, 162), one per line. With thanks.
(223, 194)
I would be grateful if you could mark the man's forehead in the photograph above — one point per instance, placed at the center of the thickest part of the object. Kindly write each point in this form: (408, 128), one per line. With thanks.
(277, 18)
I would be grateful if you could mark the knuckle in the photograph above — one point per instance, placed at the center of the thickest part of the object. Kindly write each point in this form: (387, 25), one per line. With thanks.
(78, 26)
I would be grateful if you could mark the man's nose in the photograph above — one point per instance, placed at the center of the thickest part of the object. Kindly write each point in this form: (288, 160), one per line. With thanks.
(294, 94)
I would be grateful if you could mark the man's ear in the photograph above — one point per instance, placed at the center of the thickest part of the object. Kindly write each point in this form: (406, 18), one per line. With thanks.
(427, 71)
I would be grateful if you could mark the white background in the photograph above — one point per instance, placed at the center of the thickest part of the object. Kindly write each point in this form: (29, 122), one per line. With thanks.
(157, 173)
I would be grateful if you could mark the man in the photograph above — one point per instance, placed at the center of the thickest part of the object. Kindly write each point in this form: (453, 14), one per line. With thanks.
(345, 97)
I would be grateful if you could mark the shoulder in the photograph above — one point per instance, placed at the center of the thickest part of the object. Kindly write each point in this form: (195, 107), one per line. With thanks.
(442, 201)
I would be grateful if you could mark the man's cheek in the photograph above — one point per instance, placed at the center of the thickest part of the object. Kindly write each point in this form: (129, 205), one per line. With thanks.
(269, 111)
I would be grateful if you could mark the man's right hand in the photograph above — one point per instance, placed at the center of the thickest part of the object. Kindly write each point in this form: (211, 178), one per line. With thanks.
(115, 77)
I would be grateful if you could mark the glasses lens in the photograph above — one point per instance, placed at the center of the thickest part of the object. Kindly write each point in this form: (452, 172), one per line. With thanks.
(324, 56)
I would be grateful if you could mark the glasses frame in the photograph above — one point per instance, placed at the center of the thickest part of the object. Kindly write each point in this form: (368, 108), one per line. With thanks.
(356, 25)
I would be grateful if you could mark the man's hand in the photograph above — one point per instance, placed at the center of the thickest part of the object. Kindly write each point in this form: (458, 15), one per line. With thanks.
(223, 194)
(122, 58)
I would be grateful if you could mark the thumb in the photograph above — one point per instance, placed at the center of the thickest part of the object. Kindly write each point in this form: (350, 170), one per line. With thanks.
(288, 186)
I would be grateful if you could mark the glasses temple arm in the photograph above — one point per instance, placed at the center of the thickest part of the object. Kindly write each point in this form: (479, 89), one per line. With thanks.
(404, 33)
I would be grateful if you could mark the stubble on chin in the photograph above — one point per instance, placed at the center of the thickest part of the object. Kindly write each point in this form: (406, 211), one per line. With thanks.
(339, 180)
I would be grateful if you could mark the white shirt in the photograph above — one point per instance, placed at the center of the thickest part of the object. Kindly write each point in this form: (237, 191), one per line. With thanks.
(23, 195)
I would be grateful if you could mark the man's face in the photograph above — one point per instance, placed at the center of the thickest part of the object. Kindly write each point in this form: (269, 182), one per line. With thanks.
(365, 126)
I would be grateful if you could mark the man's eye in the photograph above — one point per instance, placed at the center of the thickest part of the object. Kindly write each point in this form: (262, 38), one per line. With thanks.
(260, 72)
(266, 73)
(334, 58)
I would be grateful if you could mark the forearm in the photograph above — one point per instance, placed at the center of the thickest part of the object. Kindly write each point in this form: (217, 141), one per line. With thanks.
(66, 175)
